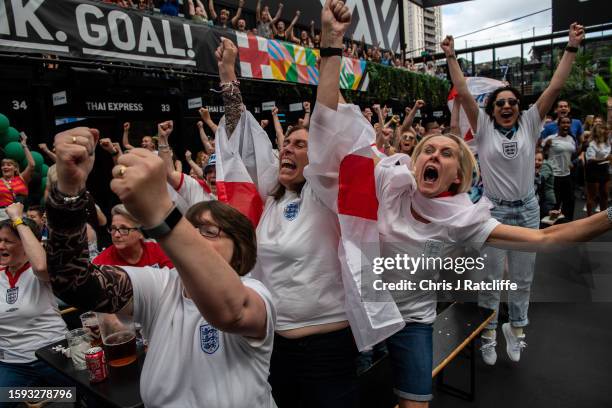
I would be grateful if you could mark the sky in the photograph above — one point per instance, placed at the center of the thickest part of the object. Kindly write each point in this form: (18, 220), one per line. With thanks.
(484, 13)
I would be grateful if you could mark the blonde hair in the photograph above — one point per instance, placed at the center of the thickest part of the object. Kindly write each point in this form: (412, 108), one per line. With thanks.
(398, 138)
(468, 167)
(600, 134)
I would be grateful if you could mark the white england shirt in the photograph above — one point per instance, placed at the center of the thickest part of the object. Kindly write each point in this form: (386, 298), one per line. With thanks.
(29, 317)
(401, 233)
(190, 363)
(507, 165)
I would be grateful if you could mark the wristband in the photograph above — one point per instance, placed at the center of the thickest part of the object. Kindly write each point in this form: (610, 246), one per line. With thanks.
(569, 48)
(165, 227)
(451, 56)
(18, 221)
(330, 52)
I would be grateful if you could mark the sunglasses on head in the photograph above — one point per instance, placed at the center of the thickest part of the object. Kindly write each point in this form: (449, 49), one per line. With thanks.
(502, 102)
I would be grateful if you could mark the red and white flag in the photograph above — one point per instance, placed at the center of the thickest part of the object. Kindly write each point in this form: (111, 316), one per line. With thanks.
(345, 136)
(246, 167)
(480, 88)
(254, 57)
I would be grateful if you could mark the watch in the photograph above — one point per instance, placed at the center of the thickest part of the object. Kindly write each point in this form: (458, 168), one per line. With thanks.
(330, 52)
(164, 228)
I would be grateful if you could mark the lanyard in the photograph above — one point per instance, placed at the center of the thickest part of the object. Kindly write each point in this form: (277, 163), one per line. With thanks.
(14, 278)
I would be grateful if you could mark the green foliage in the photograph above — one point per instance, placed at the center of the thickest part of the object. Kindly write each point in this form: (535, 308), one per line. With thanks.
(585, 89)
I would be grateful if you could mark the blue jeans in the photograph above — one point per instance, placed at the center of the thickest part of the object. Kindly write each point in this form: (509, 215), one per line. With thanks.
(411, 353)
(522, 213)
(34, 374)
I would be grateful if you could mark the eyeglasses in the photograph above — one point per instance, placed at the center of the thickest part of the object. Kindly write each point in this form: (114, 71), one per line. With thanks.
(500, 103)
(408, 137)
(122, 230)
(209, 230)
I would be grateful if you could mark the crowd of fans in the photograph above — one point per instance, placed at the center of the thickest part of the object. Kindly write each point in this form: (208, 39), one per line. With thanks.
(276, 28)
(288, 317)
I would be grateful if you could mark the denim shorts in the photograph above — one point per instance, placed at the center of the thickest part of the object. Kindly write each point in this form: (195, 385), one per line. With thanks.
(411, 353)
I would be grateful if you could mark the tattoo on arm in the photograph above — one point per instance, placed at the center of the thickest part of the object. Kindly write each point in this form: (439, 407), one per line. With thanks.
(232, 100)
(73, 279)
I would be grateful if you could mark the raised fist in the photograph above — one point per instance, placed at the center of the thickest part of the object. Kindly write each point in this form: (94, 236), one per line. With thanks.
(448, 45)
(335, 20)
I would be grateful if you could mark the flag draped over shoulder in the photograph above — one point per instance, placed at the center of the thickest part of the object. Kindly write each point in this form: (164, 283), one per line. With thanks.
(246, 167)
(345, 137)
(480, 88)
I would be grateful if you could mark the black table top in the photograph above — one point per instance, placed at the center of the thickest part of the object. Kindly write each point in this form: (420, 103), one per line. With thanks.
(120, 390)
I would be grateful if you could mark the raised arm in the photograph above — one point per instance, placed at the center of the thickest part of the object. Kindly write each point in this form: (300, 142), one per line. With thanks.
(203, 138)
(112, 148)
(468, 102)
(232, 98)
(43, 148)
(278, 129)
(31, 245)
(292, 24)
(200, 5)
(73, 279)
(546, 100)
(277, 16)
(164, 130)
(205, 115)
(213, 285)
(532, 240)
(306, 119)
(211, 10)
(455, 128)
(26, 174)
(191, 8)
(126, 136)
(410, 114)
(238, 13)
(194, 166)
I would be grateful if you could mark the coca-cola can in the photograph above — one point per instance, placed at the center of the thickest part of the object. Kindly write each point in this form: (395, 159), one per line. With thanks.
(96, 363)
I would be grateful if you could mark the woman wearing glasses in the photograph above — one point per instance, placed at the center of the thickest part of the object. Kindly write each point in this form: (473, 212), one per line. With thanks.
(506, 140)
(210, 329)
(129, 247)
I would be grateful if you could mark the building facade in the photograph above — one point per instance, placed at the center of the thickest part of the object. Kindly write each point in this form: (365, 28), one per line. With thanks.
(422, 29)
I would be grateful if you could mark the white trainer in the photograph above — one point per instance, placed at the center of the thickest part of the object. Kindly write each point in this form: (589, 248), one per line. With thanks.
(487, 347)
(514, 344)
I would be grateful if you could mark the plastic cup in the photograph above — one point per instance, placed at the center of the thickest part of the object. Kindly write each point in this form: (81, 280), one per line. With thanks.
(118, 338)
(78, 341)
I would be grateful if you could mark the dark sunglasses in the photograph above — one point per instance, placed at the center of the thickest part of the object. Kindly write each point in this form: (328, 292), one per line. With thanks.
(500, 103)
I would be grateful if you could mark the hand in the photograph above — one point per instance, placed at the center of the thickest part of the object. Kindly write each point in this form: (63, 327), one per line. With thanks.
(312, 23)
(335, 20)
(385, 111)
(407, 110)
(306, 106)
(576, 35)
(140, 183)
(297, 13)
(74, 149)
(275, 111)
(117, 148)
(240, 3)
(281, 5)
(200, 124)
(187, 155)
(164, 129)
(43, 147)
(448, 45)
(264, 123)
(226, 59)
(107, 145)
(419, 104)
(376, 107)
(14, 211)
(126, 126)
(23, 139)
(204, 114)
(386, 134)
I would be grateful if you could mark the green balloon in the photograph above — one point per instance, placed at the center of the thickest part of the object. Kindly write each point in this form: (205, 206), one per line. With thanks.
(4, 123)
(43, 183)
(44, 170)
(11, 135)
(39, 160)
(14, 150)
(23, 164)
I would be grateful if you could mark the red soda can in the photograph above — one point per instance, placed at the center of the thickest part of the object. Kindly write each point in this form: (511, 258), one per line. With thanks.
(96, 363)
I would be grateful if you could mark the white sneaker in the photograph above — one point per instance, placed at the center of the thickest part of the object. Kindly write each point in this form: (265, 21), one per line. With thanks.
(514, 344)
(487, 347)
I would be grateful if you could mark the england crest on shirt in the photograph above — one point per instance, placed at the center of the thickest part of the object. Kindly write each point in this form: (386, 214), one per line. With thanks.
(510, 149)
(209, 339)
(12, 294)
(291, 210)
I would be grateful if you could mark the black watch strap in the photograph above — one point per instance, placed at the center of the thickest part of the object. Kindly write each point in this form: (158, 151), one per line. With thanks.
(330, 52)
(165, 226)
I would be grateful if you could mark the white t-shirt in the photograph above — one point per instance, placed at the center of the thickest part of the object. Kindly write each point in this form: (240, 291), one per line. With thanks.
(598, 151)
(297, 260)
(189, 192)
(29, 317)
(507, 165)
(189, 363)
(401, 233)
(560, 153)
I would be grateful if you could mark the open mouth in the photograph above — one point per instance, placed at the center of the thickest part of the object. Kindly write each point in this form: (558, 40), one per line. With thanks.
(506, 115)
(430, 175)
(288, 164)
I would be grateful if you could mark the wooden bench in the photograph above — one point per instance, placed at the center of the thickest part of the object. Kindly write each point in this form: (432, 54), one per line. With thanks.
(455, 332)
